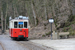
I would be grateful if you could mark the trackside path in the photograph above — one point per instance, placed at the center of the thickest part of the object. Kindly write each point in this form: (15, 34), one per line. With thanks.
(63, 44)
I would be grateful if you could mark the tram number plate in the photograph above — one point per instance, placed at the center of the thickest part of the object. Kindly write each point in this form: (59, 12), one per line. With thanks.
(20, 33)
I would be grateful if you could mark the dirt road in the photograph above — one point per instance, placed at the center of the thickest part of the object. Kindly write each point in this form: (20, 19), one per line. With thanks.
(6, 43)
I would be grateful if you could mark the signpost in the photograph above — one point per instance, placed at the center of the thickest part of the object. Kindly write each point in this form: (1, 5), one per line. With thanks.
(51, 20)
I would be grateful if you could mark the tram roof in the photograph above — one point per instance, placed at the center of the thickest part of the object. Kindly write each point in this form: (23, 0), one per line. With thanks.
(20, 18)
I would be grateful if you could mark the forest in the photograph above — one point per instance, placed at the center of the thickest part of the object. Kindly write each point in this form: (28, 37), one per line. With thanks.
(39, 12)
(31, 8)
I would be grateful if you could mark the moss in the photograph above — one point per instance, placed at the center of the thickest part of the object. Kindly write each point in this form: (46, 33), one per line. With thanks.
(44, 24)
(45, 28)
(55, 22)
(37, 21)
(71, 18)
(67, 24)
(43, 35)
(72, 33)
(66, 29)
(48, 33)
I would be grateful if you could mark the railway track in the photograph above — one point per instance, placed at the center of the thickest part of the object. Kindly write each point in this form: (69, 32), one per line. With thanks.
(2, 47)
(30, 45)
(7, 43)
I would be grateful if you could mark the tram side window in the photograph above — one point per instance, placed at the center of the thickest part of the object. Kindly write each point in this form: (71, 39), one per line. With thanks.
(25, 24)
(15, 24)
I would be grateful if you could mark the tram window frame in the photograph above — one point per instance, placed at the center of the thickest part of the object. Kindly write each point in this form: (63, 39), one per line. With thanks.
(25, 24)
(19, 25)
(15, 26)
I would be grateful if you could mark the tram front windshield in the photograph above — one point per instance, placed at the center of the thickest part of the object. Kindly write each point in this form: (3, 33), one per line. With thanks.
(20, 24)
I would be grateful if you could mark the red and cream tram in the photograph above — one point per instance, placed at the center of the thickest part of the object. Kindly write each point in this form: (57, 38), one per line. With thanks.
(18, 27)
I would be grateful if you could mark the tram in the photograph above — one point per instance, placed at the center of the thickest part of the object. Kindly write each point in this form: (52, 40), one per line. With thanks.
(18, 27)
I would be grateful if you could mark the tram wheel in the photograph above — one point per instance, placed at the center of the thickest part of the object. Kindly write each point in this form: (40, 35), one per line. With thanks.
(26, 39)
(14, 38)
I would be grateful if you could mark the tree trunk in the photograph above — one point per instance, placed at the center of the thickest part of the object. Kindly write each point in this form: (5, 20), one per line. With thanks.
(17, 12)
(53, 9)
(45, 9)
(6, 16)
(33, 12)
(14, 12)
(2, 20)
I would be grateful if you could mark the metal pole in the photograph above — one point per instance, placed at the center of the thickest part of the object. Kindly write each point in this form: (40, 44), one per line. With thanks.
(51, 31)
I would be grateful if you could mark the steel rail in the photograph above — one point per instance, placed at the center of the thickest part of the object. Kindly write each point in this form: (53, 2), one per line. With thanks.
(2, 46)
(29, 44)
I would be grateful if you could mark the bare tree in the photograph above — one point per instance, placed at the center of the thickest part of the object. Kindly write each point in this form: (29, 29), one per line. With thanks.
(6, 15)
(14, 8)
(45, 9)
(53, 10)
(33, 12)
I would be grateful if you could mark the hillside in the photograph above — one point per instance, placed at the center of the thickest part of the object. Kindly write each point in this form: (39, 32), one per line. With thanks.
(39, 12)
(63, 13)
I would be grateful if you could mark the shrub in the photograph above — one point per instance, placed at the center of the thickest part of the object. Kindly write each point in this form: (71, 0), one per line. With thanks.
(43, 35)
(71, 18)
(48, 33)
(72, 33)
